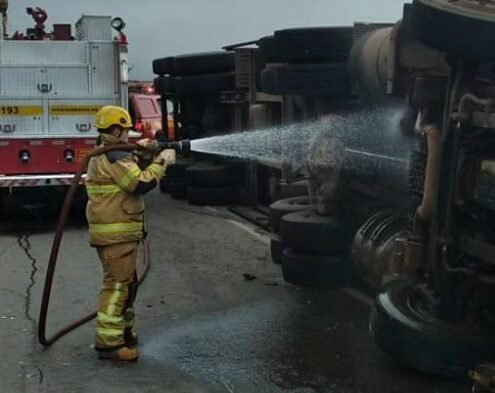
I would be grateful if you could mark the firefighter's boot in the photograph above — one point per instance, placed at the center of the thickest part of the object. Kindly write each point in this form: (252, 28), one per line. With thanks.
(123, 354)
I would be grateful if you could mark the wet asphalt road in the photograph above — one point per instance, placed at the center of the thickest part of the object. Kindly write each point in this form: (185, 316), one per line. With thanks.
(203, 328)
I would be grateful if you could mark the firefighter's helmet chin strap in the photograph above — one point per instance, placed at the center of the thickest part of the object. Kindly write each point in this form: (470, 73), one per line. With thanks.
(118, 132)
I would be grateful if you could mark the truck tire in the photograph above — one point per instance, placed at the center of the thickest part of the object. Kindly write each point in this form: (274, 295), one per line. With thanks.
(203, 84)
(315, 44)
(194, 64)
(164, 185)
(212, 196)
(313, 270)
(204, 63)
(177, 189)
(307, 231)
(420, 341)
(455, 28)
(178, 170)
(329, 80)
(276, 249)
(164, 85)
(211, 175)
(285, 206)
(163, 66)
(239, 166)
(284, 191)
(268, 50)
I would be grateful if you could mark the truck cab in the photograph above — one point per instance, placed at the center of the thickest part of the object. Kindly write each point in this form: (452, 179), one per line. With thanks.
(146, 113)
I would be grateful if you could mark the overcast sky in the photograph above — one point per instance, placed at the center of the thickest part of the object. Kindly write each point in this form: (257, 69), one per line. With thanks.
(159, 28)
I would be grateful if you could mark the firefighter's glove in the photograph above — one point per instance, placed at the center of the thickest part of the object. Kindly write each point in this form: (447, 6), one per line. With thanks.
(166, 157)
(147, 148)
(147, 145)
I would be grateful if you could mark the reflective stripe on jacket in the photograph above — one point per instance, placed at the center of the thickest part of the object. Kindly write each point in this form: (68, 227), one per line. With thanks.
(115, 211)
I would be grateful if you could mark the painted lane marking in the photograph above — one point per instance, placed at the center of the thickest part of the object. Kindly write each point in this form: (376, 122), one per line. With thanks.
(246, 228)
(359, 296)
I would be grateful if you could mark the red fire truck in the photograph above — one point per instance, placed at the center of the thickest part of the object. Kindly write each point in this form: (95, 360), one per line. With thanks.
(51, 86)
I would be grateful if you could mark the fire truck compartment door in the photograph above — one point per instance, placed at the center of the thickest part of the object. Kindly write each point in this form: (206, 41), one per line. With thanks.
(21, 117)
(75, 117)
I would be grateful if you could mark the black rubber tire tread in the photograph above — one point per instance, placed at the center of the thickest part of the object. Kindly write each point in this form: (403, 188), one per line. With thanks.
(211, 175)
(207, 84)
(276, 249)
(164, 85)
(164, 185)
(239, 166)
(163, 66)
(443, 25)
(195, 63)
(314, 44)
(308, 231)
(286, 206)
(178, 170)
(268, 50)
(178, 189)
(313, 270)
(329, 80)
(437, 349)
(204, 63)
(212, 196)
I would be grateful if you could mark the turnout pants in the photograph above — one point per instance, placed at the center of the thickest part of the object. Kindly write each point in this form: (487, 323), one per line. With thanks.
(115, 320)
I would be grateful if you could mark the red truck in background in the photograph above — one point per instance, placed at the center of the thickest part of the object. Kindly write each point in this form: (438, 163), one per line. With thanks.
(145, 108)
(146, 113)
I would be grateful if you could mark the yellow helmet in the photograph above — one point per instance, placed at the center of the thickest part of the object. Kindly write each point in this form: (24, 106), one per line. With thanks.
(113, 115)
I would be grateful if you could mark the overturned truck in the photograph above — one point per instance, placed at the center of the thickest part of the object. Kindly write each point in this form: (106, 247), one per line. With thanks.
(425, 243)
(436, 312)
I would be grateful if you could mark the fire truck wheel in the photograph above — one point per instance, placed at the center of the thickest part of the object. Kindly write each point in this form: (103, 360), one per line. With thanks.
(313, 270)
(404, 328)
(164, 85)
(163, 66)
(276, 249)
(213, 196)
(177, 189)
(211, 175)
(204, 84)
(285, 206)
(268, 50)
(314, 45)
(308, 231)
(458, 28)
(330, 80)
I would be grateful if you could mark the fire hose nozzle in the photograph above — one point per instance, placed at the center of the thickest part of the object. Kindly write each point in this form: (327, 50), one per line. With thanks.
(181, 147)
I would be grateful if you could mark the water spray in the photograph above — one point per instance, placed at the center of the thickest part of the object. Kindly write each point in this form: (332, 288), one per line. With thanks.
(376, 134)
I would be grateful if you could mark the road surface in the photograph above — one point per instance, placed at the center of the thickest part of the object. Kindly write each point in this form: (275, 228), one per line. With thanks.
(203, 327)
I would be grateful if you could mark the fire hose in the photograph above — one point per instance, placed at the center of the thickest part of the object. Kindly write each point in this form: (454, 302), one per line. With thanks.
(180, 146)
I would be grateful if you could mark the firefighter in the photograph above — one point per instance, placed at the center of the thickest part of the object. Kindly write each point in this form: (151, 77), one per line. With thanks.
(4, 5)
(115, 185)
